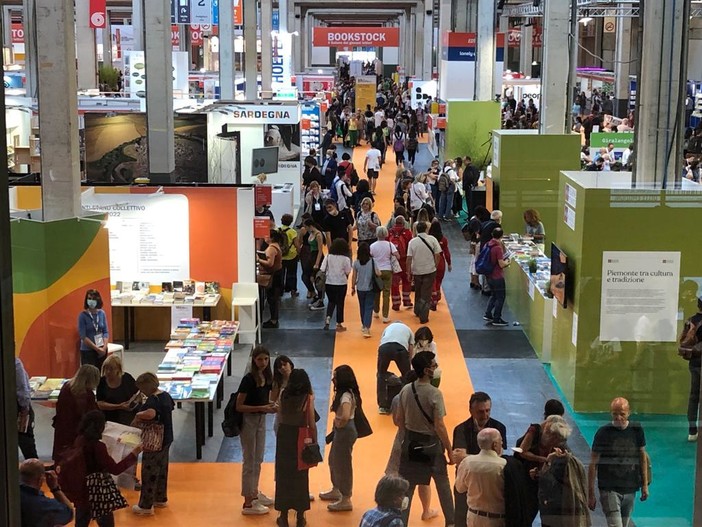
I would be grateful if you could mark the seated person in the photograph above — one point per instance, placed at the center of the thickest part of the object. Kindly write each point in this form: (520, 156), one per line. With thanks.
(37, 510)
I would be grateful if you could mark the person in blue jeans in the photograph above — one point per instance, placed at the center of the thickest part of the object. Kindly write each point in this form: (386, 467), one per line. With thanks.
(362, 282)
(496, 280)
(447, 188)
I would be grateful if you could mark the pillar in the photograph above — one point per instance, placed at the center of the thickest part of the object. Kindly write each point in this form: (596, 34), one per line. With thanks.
(266, 49)
(485, 53)
(404, 42)
(445, 24)
(661, 93)
(227, 57)
(159, 89)
(58, 108)
(107, 41)
(556, 61)
(526, 50)
(622, 66)
(30, 49)
(138, 23)
(428, 45)
(418, 48)
(250, 52)
(465, 15)
(85, 47)
(694, 64)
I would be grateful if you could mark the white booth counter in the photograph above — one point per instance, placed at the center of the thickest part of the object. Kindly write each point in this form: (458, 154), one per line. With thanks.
(283, 197)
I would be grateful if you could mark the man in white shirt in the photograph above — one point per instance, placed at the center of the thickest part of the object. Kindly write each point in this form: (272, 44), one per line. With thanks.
(481, 477)
(371, 166)
(396, 345)
(423, 253)
(379, 115)
(627, 154)
(343, 193)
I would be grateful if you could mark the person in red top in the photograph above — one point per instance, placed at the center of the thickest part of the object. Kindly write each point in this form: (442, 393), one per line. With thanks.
(96, 459)
(444, 261)
(77, 397)
(400, 236)
(496, 279)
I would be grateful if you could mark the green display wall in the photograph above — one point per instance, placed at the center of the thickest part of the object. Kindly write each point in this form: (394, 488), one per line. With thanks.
(525, 172)
(591, 372)
(468, 128)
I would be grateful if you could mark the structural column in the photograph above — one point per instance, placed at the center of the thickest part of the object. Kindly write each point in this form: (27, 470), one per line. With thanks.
(445, 25)
(107, 41)
(30, 49)
(85, 47)
(266, 49)
(418, 48)
(428, 44)
(622, 66)
(58, 108)
(556, 61)
(485, 53)
(227, 56)
(526, 49)
(660, 101)
(138, 23)
(250, 52)
(159, 89)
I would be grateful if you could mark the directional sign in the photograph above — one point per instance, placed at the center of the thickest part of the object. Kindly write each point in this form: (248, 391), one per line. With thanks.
(183, 11)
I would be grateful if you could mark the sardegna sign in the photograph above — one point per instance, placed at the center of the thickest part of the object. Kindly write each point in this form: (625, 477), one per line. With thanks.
(356, 36)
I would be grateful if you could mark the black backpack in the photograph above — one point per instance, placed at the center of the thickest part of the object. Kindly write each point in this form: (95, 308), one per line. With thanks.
(233, 420)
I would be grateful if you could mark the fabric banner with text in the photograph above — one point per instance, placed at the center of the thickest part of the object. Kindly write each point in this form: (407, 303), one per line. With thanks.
(98, 8)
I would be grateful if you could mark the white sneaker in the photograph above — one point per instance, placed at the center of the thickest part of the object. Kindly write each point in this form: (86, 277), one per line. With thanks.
(142, 512)
(386, 320)
(376, 315)
(256, 509)
(366, 333)
(264, 500)
(692, 438)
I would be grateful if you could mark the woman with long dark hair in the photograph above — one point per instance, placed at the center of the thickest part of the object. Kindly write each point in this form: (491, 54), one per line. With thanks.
(362, 282)
(253, 401)
(296, 411)
(337, 266)
(347, 398)
(270, 276)
(311, 255)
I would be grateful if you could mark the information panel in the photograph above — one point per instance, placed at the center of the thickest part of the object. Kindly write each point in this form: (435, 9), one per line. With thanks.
(639, 296)
(149, 235)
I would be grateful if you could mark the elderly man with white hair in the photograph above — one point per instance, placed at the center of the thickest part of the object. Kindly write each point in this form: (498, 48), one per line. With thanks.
(481, 477)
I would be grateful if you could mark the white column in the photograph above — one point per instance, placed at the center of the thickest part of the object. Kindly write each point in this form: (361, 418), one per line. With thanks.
(428, 46)
(554, 72)
(159, 89)
(58, 108)
(526, 51)
(250, 52)
(485, 53)
(138, 22)
(107, 41)
(660, 95)
(266, 49)
(622, 67)
(227, 57)
(30, 50)
(419, 45)
(85, 47)
(404, 41)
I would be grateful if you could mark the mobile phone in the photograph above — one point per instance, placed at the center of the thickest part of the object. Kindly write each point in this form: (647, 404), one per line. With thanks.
(262, 255)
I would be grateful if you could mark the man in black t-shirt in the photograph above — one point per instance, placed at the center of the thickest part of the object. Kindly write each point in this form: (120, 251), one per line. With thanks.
(619, 461)
(336, 224)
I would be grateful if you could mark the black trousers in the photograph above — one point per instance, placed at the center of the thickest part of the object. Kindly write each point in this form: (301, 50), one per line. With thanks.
(25, 440)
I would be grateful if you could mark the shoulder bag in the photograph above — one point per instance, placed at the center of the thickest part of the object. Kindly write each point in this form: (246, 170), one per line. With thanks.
(426, 243)
(396, 267)
(377, 282)
(421, 448)
(363, 427)
(103, 495)
(308, 453)
(320, 279)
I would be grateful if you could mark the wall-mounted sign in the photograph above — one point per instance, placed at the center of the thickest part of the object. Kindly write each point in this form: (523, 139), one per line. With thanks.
(262, 226)
(356, 36)
(262, 114)
(98, 8)
(263, 195)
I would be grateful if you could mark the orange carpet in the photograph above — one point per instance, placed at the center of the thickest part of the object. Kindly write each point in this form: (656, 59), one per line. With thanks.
(207, 494)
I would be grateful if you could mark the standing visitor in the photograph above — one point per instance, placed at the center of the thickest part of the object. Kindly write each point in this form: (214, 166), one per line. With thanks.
(691, 348)
(496, 280)
(366, 222)
(270, 276)
(337, 266)
(383, 253)
(444, 262)
(92, 328)
(362, 281)
(423, 254)
(398, 145)
(412, 146)
(371, 166)
(400, 236)
(311, 255)
(290, 258)
(25, 413)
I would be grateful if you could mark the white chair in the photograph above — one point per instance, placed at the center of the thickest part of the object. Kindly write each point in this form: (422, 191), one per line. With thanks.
(247, 311)
(117, 349)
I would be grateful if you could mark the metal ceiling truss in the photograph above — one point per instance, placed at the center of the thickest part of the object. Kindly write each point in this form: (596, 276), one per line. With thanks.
(592, 9)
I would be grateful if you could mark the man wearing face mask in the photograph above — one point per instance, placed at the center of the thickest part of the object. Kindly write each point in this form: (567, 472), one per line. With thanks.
(390, 495)
(465, 442)
(620, 461)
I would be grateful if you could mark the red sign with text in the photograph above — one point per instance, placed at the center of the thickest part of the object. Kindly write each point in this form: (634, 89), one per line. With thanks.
(17, 33)
(356, 36)
(196, 33)
(263, 195)
(98, 10)
(238, 13)
(175, 36)
(262, 227)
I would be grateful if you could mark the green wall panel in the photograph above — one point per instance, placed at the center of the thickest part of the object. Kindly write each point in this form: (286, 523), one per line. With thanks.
(468, 130)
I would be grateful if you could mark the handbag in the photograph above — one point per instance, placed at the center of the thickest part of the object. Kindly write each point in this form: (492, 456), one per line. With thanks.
(377, 283)
(421, 448)
(320, 279)
(103, 495)
(363, 427)
(151, 435)
(308, 453)
(396, 267)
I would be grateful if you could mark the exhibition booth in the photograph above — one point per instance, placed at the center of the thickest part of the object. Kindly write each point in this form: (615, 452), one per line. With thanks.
(469, 128)
(171, 248)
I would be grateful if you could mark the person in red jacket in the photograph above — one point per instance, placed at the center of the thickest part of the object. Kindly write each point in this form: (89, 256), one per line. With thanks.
(96, 459)
(400, 236)
(444, 261)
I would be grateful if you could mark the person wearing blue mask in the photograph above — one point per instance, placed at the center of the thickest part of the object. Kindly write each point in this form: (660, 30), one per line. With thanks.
(92, 328)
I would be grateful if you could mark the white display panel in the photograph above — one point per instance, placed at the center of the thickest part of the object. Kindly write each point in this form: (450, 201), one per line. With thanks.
(149, 235)
(639, 296)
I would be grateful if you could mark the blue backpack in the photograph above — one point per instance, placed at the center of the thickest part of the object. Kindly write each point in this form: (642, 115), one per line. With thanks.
(333, 191)
(483, 264)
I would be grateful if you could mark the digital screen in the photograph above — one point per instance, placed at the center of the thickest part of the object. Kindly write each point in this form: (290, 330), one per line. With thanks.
(264, 160)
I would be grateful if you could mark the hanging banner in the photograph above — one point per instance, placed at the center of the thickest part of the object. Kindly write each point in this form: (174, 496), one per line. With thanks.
(356, 36)
(175, 37)
(17, 33)
(238, 13)
(281, 62)
(200, 11)
(98, 8)
(365, 91)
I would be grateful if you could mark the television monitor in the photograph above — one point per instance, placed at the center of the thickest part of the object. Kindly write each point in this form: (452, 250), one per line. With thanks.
(264, 160)
(559, 275)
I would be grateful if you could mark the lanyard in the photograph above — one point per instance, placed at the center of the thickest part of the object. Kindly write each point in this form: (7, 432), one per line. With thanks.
(95, 320)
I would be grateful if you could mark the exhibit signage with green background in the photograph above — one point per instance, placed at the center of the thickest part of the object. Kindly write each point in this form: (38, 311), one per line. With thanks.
(620, 140)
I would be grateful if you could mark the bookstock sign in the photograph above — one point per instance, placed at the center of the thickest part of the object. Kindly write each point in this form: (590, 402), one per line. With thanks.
(356, 36)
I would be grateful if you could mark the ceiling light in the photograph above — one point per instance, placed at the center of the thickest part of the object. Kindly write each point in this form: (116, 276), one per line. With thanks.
(585, 20)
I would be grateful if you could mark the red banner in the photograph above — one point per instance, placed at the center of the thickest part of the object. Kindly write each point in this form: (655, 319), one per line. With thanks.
(175, 37)
(17, 33)
(98, 12)
(263, 195)
(514, 37)
(356, 36)
(238, 13)
(262, 226)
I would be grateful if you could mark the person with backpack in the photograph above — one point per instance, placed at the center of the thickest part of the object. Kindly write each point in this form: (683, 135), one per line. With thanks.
(471, 233)
(412, 145)
(690, 349)
(496, 278)
(290, 250)
(270, 276)
(400, 236)
(398, 145)
(391, 500)
(340, 191)
(447, 188)
(494, 220)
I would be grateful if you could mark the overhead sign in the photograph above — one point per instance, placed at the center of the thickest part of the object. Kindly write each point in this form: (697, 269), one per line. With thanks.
(200, 11)
(98, 8)
(17, 33)
(281, 63)
(461, 47)
(262, 114)
(356, 36)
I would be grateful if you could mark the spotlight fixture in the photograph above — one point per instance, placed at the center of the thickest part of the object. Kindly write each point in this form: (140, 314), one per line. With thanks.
(585, 20)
